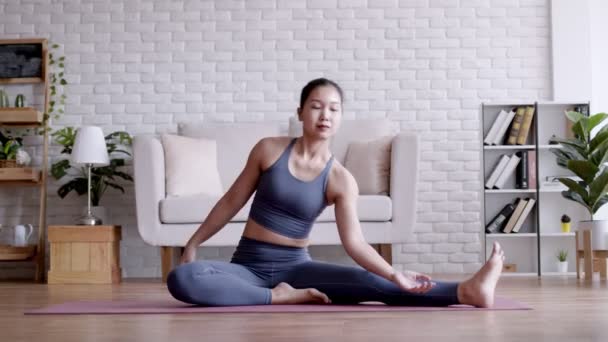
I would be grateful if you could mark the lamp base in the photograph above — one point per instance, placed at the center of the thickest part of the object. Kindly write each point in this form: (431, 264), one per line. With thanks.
(89, 220)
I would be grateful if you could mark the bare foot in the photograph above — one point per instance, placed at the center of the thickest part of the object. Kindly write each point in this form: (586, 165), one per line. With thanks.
(479, 289)
(285, 294)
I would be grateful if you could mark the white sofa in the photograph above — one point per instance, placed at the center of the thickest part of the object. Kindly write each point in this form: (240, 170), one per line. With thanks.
(169, 222)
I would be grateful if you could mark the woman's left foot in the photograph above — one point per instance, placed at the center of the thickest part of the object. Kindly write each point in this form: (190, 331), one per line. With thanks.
(283, 293)
(479, 289)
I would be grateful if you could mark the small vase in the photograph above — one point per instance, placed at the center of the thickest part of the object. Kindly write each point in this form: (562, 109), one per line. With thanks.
(565, 227)
(562, 266)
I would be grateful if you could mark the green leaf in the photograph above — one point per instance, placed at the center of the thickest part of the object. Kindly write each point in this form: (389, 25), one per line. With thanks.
(595, 120)
(599, 153)
(597, 140)
(59, 169)
(121, 151)
(577, 198)
(78, 184)
(584, 169)
(63, 82)
(574, 116)
(600, 203)
(116, 186)
(124, 175)
(574, 186)
(598, 189)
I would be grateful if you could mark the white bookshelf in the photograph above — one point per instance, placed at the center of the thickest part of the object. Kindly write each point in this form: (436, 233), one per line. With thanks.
(533, 250)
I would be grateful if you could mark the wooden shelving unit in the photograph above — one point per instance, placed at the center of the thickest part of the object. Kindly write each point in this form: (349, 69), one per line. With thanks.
(20, 174)
(12, 253)
(22, 80)
(26, 116)
(29, 176)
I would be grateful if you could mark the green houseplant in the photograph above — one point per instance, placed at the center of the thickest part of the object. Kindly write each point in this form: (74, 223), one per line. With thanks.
(102, 178)
(562, 261)
(12, 153)
(586, 155)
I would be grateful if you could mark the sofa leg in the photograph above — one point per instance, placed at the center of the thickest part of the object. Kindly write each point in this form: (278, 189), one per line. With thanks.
(166, 258)
(386, 251)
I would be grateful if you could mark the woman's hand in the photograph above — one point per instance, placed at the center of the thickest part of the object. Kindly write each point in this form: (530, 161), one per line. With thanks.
(413, 282)
(189, 255)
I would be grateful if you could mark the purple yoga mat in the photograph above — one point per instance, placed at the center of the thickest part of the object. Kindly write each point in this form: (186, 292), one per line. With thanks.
(174, 307)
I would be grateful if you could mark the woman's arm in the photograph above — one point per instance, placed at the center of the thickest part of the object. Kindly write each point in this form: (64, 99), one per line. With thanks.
(230, 203)
(357, 248)
(349, 228)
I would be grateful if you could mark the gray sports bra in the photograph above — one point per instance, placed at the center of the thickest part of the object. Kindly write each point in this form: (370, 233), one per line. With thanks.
(287, 205)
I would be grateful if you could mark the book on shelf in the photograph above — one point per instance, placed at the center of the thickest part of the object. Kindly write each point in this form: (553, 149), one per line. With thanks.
(500, 166)
(500, 135)
(493, 132)
(521, 173)
(515, 125)
(520, 204)
(507, 172)
(500, 219)
(524, 214)
(524, 129)
(532, 169)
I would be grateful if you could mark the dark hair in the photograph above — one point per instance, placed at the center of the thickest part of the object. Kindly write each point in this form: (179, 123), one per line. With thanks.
(319, 82)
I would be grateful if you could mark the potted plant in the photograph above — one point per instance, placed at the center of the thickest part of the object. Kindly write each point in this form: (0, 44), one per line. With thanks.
(12, 153)
(562, 261)
(102, 178)
(586, 155)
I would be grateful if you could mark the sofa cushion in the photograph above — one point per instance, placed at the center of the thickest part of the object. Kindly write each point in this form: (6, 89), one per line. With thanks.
(370, 164)
(350, 130)
(194, 209)
(370, 208)
(190, 166)
(234, 142)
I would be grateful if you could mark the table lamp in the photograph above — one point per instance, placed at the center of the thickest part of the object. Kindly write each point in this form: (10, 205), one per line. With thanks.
(90, 150)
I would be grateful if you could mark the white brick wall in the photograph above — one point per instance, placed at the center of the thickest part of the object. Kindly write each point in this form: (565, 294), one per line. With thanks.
(144, 65)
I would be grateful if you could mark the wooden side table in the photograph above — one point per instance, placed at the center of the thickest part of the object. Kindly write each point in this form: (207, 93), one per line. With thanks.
(593, 260)
(84, 254)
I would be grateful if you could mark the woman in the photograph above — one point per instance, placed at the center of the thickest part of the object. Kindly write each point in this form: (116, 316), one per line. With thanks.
(294, 180)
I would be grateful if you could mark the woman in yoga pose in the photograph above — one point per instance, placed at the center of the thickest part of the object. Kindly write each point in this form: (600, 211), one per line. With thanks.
(294, 180)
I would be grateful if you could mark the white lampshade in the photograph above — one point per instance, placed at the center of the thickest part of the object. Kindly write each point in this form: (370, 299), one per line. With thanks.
(90, 147)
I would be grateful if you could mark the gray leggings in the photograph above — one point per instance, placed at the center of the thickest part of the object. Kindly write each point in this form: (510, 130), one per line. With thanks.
(256, 267)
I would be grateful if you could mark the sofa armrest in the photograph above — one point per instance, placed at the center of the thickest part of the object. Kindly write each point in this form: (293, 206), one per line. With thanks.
(149, 177)
(403, 184)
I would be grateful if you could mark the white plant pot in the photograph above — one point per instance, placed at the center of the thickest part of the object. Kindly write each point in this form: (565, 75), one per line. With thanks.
(599, 234)
(562, 266)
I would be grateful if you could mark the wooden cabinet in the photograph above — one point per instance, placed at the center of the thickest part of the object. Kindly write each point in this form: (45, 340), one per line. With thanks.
(84, 254)
(29, 176)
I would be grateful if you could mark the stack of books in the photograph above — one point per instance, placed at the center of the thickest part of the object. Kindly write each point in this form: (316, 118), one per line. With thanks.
(511, 217)
(510, 128)
(522, 163)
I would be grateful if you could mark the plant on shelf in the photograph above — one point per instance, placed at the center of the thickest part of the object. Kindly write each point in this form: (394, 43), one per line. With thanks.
(586, 155)
(562, 255)
(101, 177)
(12, 152)
(562, 261)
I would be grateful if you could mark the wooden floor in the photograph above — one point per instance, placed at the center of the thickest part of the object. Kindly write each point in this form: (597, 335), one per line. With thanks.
(565, 309)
